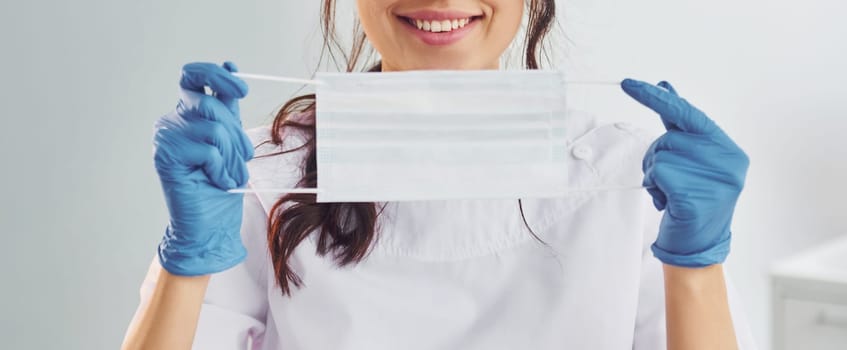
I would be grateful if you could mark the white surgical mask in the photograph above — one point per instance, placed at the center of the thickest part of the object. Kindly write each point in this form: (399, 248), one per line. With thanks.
(436, 135)
(430, 135)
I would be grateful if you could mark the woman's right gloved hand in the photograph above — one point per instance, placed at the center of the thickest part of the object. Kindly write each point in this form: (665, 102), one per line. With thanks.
(201, 152)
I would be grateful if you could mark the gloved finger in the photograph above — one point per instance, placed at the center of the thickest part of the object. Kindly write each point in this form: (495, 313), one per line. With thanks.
(246, 150)
(241, 140)
(667, 86)
(692, 146)
(231, 102)
(665, 178)
(679, 184)
(208, 158)
(678, 141)
(676, 112)
(196, 76)
(221, 137)
(659, 198)
(675, 172)
(647, 161)
(192, 103)
(212, 131)
(238, 168)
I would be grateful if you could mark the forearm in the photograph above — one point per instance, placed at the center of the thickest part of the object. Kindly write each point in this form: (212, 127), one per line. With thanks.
(697, 309)
(169, 319)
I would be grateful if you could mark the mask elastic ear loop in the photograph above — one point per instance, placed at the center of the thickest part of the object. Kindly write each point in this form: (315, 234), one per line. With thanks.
(276, 190)
(278, 79)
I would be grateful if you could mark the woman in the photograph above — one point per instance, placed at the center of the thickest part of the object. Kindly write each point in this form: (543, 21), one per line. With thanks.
(598, 270)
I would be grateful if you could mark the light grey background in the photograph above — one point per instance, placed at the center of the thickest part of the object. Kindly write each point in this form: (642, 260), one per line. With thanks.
(83, 82)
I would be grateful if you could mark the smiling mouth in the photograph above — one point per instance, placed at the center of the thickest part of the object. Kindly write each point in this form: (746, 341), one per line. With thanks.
(439, 25)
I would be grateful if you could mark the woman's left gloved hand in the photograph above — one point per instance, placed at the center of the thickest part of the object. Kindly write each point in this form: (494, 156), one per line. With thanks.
(694, 172)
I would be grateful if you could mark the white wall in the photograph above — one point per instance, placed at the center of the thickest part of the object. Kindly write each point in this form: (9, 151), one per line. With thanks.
(83, 82)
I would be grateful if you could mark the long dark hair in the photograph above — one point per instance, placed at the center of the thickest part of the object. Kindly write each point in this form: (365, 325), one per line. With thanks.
(347, 230)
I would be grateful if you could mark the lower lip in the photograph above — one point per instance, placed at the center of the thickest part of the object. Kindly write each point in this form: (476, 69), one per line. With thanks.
(442, 38)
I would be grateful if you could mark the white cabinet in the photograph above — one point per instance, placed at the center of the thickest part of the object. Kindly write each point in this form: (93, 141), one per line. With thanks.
(810, 299)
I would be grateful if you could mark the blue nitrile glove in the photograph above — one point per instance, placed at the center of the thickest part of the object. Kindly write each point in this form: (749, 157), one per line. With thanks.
(694, 172)
(201, 152)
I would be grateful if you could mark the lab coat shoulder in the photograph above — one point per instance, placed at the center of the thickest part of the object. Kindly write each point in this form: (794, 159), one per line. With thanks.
(603, 167)
(604, 154)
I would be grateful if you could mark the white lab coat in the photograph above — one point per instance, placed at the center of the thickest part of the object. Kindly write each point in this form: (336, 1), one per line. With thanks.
(463, 274)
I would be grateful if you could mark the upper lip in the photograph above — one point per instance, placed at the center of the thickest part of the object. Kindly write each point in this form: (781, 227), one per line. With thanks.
(438, 15)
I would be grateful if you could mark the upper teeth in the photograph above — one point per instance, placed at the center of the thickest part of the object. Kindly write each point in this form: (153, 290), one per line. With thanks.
(446, 25)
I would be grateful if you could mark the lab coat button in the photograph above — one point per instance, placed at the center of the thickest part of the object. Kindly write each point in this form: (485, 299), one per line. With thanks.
(582, 152)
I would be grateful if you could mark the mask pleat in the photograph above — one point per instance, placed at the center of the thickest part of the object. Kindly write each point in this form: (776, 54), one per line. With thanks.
(441, 135)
